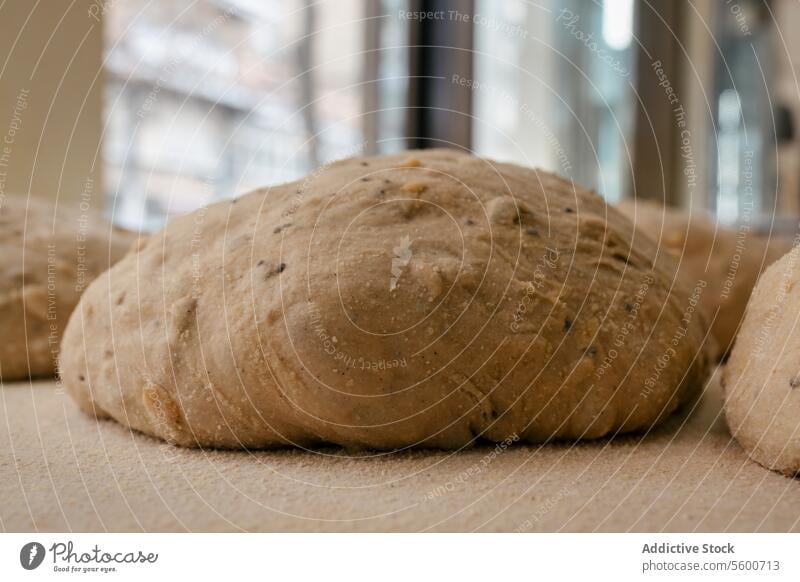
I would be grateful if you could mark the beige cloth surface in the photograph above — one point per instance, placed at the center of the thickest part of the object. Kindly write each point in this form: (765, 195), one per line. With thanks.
(61, 470)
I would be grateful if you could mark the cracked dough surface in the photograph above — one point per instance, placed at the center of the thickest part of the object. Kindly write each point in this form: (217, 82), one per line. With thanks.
(762, 378)
(428, 298)
(48, 256)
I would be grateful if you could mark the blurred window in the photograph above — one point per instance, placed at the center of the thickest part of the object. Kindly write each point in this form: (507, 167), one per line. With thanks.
(744, 141)
(554, 85)
(209, 99)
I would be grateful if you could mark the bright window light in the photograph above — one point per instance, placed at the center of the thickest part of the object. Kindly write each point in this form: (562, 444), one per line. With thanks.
(618, 23)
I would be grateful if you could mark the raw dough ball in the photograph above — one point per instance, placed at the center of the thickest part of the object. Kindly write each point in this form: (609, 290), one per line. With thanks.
(423, 299)
(762, 378)
(48, 256)
(728, 260)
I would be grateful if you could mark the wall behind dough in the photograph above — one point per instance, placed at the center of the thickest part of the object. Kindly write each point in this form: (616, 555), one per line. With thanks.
(51, 99)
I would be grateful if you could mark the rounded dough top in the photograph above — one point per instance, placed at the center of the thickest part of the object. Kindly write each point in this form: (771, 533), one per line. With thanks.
(429, 298)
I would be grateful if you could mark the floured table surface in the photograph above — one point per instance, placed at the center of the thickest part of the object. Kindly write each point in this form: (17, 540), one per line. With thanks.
(60, 470)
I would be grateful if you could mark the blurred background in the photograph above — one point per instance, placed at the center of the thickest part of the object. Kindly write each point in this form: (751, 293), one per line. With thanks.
(154, 108)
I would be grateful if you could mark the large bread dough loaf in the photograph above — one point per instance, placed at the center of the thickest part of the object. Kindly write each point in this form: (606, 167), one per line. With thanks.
(423, 299)
(762, 378)
(48, 256)
(729, 261)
